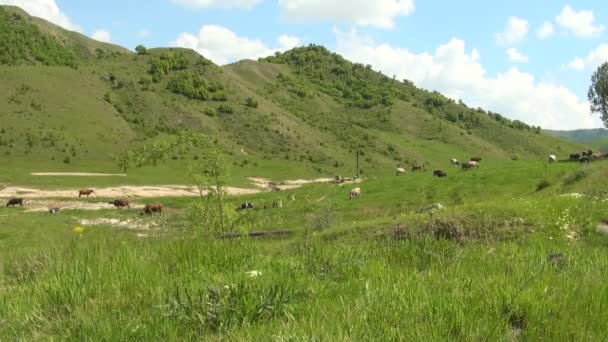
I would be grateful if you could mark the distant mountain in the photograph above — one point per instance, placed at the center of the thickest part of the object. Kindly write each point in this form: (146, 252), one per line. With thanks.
(581, 135)
(65, 96)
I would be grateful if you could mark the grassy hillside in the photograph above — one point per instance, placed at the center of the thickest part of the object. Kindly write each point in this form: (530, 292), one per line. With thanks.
(308, 109)
(581, 135)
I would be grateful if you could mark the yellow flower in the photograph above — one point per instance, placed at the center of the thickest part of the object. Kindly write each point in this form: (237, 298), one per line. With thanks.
(78, 230)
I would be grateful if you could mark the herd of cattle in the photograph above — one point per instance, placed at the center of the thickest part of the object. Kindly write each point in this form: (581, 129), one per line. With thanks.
(474, 162)
(148, 209)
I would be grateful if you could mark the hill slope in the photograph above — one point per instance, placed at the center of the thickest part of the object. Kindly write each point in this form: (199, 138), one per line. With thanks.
(308, 108)
(581, 135)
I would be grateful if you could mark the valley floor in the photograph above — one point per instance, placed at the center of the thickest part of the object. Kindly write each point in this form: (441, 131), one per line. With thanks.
(516, 253)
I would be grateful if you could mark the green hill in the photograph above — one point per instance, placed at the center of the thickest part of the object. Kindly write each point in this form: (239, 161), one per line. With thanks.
(70, 101)
(581, 135)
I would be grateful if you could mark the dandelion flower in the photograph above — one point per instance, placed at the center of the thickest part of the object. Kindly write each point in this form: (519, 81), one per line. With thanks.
(78, 231)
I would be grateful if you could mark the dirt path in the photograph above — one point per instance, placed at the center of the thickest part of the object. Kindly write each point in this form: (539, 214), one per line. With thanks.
(119, 192)
(153, 191)
(77, 174)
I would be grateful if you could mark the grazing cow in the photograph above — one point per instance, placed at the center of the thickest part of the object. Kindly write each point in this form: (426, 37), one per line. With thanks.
(469, 165)
(354, 193)
(475, 159)
(86, 192)
(401, 171)
(120, 203)
(552, 158)
(584, 159)
(455, 162)
(575, 156)
(417, 167)
(245, 206)
(149, 209)
(14, 201)
(585, 154)
(53, 210)
(439, 173)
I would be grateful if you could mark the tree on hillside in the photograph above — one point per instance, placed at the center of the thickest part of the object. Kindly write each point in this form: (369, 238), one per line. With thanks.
(598, 92)
(141, 50)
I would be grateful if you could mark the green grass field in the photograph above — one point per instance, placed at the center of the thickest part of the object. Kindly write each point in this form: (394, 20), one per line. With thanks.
(366, 269)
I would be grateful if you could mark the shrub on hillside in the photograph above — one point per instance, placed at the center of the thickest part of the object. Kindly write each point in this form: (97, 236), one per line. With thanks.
(251, 102)
(543, 184)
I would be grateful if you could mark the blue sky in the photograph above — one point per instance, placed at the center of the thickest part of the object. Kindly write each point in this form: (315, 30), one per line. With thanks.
(487, 53)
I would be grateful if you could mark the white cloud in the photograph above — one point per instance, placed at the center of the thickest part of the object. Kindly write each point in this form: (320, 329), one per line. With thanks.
(516, 30)
(223, 46)
(102, 36)
(288, 42)
(516, 56)
(143, 33)
(226, 4)
(459, 74)
(580, 23)
(594, 59)
(45, 9)
(378, 13)
(546, 30)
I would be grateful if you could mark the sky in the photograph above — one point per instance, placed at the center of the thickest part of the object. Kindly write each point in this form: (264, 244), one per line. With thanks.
(528, 60)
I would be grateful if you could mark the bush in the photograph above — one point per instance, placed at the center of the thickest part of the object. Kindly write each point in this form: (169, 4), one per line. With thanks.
(251, 102)
(210, 112)
(225, 109)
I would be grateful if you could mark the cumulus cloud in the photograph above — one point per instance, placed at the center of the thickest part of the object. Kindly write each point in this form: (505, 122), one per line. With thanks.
(594, 59)
(378, 13)
(546, 30)
(581, 23)
(516, 56)
(516, 30)
(45, 9)
(223, 46)
(226, 4)
(102, 36)
(459, 74)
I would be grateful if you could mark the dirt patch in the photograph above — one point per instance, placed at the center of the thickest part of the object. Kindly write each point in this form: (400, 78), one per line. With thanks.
(119, 192)
(43, 206)
(266, 183)
(77, 174)
(128, 224)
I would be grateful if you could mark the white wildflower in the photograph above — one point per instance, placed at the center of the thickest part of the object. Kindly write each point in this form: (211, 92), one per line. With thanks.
(254, 274)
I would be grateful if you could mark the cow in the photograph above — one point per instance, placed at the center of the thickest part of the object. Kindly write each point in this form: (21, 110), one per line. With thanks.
(439, 173)
(469, 165)
(417, 167)
(584, 159)
(575, 156)
(454, 162)
(53, 210)
(401, 171)
(354, 193)
(245, 206)
(149, 209)
(475, 159)
(120, 203)
(552, 158)
(14, 201)
(86, 192)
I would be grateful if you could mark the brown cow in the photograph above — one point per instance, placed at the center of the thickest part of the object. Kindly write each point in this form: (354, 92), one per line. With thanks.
(469, 165)
(417, 167)
(120, 203)
(149, 209)
(86, 192)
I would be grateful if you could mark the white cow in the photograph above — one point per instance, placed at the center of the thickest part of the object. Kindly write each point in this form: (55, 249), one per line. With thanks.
(401, 171)
(354, 193)
(552, 158)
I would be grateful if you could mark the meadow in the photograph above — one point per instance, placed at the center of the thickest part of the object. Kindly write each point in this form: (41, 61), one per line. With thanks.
(505, 259)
